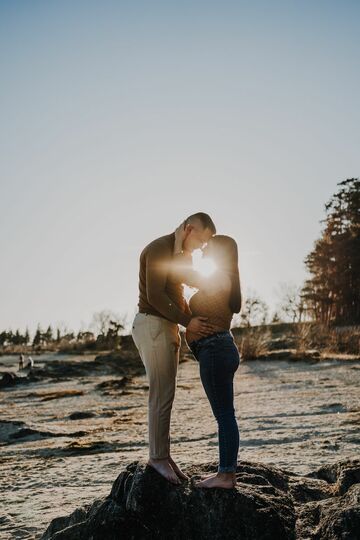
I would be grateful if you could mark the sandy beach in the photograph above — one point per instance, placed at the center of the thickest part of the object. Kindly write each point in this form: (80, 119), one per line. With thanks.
(65, 439)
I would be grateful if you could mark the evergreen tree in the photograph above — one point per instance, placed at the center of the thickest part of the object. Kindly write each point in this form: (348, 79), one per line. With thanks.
(38, 337)
(3, 338)
(27, 337)
(17, 339)
(333, 291)
(58, 335)
(48, 335)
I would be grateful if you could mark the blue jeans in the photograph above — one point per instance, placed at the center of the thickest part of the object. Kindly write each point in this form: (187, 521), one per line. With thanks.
(218, 358)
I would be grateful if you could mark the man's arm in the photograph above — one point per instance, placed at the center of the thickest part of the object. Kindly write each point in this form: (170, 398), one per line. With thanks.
(157, 268)
(182, 270)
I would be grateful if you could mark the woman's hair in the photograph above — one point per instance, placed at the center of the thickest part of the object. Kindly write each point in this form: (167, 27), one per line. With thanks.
(225, 252)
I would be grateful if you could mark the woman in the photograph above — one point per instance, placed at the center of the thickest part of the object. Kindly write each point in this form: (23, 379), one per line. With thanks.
(218, 298)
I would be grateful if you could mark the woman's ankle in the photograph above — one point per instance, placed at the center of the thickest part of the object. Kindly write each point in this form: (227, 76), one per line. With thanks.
(227, 475)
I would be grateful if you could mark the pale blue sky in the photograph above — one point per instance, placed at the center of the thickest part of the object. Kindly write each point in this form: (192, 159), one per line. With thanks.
(119, 119)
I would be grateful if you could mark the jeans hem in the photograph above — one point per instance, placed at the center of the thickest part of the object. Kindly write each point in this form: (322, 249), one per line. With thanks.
(226, 469)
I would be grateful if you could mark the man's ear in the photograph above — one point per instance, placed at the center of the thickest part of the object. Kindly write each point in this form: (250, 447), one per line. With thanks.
(188, 228)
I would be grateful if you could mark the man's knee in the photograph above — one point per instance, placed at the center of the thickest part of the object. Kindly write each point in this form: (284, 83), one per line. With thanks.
(162, 401)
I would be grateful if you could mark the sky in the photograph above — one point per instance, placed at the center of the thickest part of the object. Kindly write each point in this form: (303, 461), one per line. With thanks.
(121, 118)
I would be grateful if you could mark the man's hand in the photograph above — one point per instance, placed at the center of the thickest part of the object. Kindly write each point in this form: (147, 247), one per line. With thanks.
(198, 325)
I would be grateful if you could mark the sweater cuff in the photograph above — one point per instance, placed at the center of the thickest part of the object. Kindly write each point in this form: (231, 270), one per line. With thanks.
(185, 319)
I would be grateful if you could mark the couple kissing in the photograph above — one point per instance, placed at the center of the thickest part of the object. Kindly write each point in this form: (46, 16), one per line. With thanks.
(165, 266)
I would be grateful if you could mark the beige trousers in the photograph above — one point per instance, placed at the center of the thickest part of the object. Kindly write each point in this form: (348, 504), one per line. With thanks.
(158, 343)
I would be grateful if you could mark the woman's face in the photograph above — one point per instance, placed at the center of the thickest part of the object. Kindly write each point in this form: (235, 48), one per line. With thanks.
(206, 265)
(206, 251)
(213, 251)
(196, 237)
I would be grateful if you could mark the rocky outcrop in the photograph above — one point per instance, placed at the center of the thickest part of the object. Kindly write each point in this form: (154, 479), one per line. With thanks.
(13, 431)
(10, 379)
(127, 366)
(113, 386)
(267, 504)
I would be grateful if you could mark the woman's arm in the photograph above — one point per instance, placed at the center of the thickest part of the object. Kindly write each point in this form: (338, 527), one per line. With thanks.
(235, 293)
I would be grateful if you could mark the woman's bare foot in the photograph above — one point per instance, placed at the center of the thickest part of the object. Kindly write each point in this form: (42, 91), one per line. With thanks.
(208, 476)
(218, 480)
(163, 467)
(177, 470)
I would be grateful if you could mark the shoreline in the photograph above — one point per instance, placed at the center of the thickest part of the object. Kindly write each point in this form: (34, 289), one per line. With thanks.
(280, 354)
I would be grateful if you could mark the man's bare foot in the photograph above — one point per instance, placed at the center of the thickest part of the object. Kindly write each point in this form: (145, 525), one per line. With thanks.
(219, 480)
(177, 470)
(163, 467)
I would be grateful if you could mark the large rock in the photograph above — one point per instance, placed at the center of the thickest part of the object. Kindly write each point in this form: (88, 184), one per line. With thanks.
(9, 379)
(13, 431)
(126, 365)
(267, 504)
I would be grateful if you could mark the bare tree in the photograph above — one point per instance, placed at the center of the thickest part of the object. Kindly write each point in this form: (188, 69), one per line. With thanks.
(254, 311)
(103, 321)
(291, 305)
(275, 318)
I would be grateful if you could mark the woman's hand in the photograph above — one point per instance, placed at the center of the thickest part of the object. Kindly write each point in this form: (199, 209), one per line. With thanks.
(180, 233)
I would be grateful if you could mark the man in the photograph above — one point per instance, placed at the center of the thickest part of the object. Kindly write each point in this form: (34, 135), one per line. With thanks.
(162, 307)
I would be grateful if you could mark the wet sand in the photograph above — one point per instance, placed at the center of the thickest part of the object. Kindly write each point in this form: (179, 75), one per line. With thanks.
(292, 414)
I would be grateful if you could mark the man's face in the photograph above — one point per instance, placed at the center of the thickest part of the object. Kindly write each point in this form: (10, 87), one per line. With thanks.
(196, 237)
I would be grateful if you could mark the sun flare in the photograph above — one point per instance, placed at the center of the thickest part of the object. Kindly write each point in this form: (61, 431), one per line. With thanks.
(204, 265)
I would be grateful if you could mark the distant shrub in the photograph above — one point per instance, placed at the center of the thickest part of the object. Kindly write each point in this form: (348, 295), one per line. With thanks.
(326, 338)
(253, 343)
(303, 337)
(345, 340)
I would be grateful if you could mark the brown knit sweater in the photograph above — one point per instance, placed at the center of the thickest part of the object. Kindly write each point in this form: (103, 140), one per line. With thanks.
(160, 293)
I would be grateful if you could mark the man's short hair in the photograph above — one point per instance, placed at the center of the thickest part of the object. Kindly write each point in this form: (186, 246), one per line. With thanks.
(204, 219)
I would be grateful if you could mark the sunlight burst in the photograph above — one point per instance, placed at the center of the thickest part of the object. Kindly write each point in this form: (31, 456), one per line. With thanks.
(206, 266)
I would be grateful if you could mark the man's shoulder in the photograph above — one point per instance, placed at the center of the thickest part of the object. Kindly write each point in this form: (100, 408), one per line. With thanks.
(162, 244)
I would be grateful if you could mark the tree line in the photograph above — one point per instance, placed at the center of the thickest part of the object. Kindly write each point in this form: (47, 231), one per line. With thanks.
(331, 294)
(104, 332)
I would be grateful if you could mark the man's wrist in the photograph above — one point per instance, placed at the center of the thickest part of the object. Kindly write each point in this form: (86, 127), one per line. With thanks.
(186, 320)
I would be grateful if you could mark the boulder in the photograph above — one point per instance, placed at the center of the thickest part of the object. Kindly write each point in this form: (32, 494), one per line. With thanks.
(267, 504)
(8, 379)
(80, 415)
